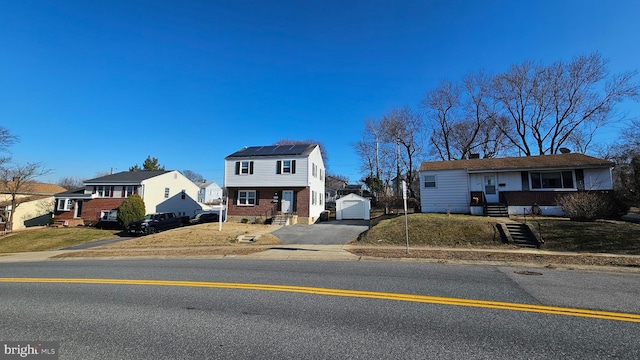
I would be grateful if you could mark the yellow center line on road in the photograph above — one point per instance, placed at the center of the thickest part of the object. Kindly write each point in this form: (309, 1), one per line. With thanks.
(607, 315)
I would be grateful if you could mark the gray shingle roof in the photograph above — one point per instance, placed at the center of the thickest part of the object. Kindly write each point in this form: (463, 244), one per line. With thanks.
(556, 161)
(129, 177)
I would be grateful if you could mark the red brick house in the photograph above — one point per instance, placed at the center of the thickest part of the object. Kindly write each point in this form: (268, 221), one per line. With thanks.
(263, 181)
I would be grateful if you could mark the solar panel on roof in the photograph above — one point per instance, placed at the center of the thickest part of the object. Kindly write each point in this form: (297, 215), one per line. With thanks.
(275, 150)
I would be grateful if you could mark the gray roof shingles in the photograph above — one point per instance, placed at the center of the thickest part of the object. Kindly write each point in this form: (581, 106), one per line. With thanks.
(572, 160)
(126, 177)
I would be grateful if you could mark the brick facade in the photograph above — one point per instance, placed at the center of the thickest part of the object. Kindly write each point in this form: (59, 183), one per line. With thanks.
(266, 206)
(91, 209)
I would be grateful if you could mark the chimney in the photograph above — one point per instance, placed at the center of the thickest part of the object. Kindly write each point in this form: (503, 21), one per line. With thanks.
(474, 156)
(565, 150)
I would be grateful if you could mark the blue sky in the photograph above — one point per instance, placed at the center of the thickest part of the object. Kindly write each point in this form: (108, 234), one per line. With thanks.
(90, 86)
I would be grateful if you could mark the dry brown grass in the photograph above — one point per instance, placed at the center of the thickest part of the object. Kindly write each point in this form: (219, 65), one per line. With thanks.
(199, 236)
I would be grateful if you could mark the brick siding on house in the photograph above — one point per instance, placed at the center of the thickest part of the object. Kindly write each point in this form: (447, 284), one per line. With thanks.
(542, 198)
(266, 206)
(91, 209)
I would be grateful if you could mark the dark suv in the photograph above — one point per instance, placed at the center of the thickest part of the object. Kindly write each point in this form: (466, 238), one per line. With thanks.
(205, 218)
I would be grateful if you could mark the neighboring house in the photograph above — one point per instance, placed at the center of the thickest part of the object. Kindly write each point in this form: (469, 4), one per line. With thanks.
(263, 181)
(99, 199)
(519, 183)
(35, 204)
(332, 185)
(209, 193)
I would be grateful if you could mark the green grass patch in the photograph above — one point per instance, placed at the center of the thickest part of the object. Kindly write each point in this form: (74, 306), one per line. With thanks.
(614, 237)
(432, 230)
(51, 238)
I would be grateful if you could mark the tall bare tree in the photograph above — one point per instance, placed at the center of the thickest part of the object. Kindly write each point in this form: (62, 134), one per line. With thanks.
(462, 118)
(193, 176)
(404, 128)
(17, 180)
(562, 104)
(71, 182)
(6, 140)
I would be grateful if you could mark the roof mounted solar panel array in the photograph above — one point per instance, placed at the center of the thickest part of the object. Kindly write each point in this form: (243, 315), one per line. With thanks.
(275, 150)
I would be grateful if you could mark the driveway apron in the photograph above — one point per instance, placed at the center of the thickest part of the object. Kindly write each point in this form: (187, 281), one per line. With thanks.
(332, 232)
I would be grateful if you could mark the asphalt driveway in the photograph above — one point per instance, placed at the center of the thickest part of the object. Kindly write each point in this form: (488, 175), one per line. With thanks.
(332, 232)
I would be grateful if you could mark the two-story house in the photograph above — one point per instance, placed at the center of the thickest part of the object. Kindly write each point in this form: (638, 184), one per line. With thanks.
(210, 193)
(99, 199)
(263, 181)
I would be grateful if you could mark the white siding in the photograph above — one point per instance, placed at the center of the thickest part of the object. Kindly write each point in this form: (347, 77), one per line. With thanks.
(316, 183)
(512, 181)
(264, 173)
(154, 190)
(597, 179)
(450, 194)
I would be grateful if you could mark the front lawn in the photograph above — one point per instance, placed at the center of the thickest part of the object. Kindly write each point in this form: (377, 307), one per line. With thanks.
(560, 234)
(51, 238)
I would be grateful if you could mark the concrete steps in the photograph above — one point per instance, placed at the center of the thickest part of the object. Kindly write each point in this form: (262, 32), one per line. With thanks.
(496, 210)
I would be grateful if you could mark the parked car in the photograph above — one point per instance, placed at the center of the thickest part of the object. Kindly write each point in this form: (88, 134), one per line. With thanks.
(205, 218)
(153, 223)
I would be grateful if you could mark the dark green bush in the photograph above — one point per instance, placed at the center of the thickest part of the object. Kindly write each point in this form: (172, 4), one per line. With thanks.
(131, 209)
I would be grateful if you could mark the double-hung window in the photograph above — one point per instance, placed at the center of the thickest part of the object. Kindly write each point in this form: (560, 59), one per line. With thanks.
(166, 193)
(129, 190)
(430, 181)
(65, 205)
(244, 168)
(246, 197)
(285, 167)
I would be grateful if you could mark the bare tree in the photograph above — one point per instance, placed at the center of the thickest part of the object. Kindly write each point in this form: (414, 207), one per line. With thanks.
(71, 182)
(552, 106)
(193, 176)
(17, 180)
(462, 118)
(404, 128)
(6, 140)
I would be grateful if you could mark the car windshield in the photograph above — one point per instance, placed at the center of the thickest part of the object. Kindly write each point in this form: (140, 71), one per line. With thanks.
(148, 217)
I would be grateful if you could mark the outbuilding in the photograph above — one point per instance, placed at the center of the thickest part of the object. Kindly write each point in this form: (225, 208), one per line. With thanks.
(353, 206)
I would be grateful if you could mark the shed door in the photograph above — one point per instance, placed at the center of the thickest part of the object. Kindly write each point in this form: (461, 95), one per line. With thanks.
(353, 209)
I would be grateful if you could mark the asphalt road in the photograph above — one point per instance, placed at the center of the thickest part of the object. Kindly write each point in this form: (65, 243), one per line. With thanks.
(323, 233)
(137, 321)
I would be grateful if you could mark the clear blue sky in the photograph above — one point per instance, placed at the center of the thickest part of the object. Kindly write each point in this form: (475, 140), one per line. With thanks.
(93, 85)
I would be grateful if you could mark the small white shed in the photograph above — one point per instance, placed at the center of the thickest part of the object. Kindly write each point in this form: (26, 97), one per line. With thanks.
(353, 206)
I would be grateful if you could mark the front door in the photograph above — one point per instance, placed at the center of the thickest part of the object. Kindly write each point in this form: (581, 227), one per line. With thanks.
(491, 189)
(287, 201)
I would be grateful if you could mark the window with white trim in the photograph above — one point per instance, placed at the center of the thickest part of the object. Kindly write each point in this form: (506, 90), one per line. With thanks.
(314, 170)
(246, 197)
(65, 205)
(166, 193)
(552, 180)
(313, 197)
(286, 166)
(244, 167)
(104, 191)
(430, 181)
(129, 190)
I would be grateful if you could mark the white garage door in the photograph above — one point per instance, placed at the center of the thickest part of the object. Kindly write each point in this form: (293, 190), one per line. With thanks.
(353, 209)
